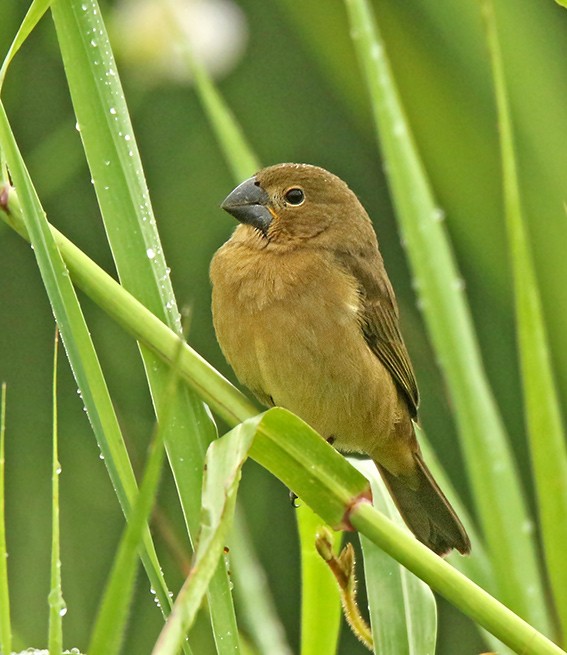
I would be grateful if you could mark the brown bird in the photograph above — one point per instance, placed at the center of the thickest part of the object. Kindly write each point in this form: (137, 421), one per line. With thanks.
(306, 316)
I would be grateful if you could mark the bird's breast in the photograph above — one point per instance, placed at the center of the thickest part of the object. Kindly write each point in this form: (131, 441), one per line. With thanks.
(289, 327)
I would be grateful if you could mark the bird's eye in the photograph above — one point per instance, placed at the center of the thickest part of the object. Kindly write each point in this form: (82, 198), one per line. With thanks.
(295, 196)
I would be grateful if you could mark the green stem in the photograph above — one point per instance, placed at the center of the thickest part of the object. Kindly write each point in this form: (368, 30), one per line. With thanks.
(234, 408)
(471, 599)
(225, 399)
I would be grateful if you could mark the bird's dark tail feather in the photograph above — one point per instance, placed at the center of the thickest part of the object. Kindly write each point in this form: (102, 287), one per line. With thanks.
(426, 511)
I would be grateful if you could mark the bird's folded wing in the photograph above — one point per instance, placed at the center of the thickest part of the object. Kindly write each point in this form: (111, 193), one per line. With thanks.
(380, 323)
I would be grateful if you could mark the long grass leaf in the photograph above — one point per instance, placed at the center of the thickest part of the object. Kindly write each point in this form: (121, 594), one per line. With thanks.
(320, 600)
(35, 12)
(238, 154)
(5, 627)
(543, 413)
(108, 633)
(492, 471)
(57, 607)
(476, 566)
(78, 344)
(123, 197)
(403, 611)
(223, 466)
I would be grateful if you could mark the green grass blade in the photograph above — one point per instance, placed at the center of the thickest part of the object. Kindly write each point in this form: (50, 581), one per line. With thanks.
(57, 607)
(31, 19)
(492, 471)
(476, 566)
(320, 600)
(237, 152)
(123, 197)
(254, 601)
(412, 628)
(543, 413)
(231, 405)
(108, 632)
(5, 627)
(78, 344)
(239, 156)
(223, 466)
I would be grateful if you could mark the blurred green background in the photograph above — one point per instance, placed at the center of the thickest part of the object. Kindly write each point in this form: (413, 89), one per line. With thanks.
(299, 96)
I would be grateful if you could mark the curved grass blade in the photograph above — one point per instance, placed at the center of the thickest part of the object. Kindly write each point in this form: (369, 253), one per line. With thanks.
(492, 471)
(320, 600)
(543, 413)
(57, 607)
(35, 12)
(5, 626)
(123, 197)
(223, 465)
(78, 344)
(403, 611)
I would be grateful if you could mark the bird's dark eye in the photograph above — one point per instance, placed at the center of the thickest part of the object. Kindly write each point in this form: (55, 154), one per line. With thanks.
(294, 196)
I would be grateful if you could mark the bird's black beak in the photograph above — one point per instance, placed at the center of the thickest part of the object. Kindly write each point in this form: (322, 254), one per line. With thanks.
(247, 203)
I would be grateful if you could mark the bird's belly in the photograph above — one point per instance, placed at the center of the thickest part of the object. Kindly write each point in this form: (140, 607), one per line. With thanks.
(290, 330)
(320, 369)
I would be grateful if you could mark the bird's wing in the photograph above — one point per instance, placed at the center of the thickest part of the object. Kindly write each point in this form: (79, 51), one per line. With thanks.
(380, 323)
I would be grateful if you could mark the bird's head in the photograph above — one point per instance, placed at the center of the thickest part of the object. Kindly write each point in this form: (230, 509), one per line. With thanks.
(290, 204)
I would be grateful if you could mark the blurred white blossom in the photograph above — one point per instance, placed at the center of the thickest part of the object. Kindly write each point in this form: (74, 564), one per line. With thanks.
(150, 36)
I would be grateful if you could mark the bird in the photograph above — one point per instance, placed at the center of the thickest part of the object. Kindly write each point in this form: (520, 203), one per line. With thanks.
(306, 316)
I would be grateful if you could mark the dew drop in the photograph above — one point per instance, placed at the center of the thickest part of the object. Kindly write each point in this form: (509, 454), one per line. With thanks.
(376, 51)
(150, 252)
(399, 129)
(527, 527)
(438, 214)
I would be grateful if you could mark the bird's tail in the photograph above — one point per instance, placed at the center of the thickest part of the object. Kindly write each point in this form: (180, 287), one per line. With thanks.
(426, 511)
